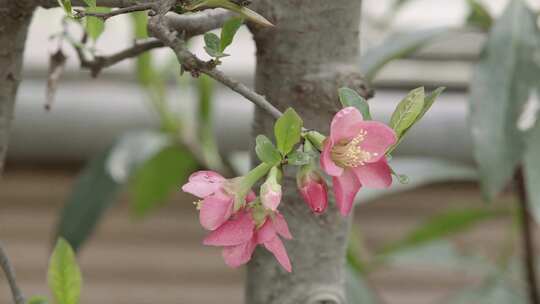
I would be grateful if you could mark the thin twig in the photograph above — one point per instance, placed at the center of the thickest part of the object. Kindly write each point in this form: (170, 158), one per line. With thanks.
(80, 13)
(527, 234)
(162, 30)
(18, 297)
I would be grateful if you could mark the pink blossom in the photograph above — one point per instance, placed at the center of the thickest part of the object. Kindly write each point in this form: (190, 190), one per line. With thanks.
(354, 155)
(313, 189)
(239, 236)
(217, 202)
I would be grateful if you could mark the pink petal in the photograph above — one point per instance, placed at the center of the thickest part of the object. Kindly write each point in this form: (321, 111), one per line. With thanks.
(215, 210)
(345, 123)
(235, 231)
(378, 139)
(270, 198)
(203, 183)
(266, 232)
(238, 255)
(345, 188)
(327, 164)
(375, 175)
(276, 247)
(281, 227)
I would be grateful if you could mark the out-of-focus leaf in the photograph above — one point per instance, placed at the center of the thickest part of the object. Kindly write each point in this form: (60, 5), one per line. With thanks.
(64, 275)
(66, 5)
(421, 171)
(159, 176)
(94, 192)
(495, 290)
(349, 98)
(396, 46)
(145, 72)
(38, 300)
(133, 149)
(531, 168)
(407, 111)
(266, 151)
(356, 288)
(299, 158)
(287, 131)
(479, 15)
(228, 31)
(355, 251)
(90, 3)
(95, 26)
(499, 90)
(444, 225)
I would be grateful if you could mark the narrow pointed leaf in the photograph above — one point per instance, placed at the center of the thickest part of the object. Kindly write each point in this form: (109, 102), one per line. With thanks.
(64, 276)
(349, 98)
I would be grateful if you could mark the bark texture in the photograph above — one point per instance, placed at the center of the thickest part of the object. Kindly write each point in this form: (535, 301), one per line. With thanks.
(312, 51)
(16, 17)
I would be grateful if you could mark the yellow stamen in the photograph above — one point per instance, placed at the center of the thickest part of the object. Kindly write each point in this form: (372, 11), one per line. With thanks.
(350, 154)
(198, 204)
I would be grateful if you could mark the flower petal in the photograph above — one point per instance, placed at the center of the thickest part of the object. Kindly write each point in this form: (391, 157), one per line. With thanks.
(235, 231)
(327, 164)
(266, 232)
(238, 255)
(215, 210)
(375, 175)
(378, 139)
(275, 246)
(345, 188)
(345, 123)
(203, 183)
(281, 227)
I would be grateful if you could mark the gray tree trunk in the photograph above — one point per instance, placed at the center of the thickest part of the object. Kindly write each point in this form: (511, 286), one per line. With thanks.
(312, 51)
(15, 16)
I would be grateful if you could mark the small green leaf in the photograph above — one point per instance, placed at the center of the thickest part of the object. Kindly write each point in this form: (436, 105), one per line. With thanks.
(212, 47)
(429, 100)
(349, 98)
(299, 158)
(214, 53)
(266, 151)
(66, 5)
(64, 276)
(38, 300)
(95, 26)
(287, 131)
(229, 30)
(407, 111)
(159, 176)
(479, 16)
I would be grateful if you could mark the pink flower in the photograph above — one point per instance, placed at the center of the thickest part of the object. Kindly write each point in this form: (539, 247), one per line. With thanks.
(217, 202)
(271, 190)
(313, 189)
(354, 155)
(239, 236)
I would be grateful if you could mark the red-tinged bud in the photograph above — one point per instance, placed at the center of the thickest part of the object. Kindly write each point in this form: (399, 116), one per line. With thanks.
(313, 189)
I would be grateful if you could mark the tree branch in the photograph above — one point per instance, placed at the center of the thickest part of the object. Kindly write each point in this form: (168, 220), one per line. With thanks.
(104, 3)
(159, 27)
(81, 13)
(18, 297)
(527, 239)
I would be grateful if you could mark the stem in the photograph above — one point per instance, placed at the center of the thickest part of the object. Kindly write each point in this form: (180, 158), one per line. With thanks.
(18, 298)
(527, 239)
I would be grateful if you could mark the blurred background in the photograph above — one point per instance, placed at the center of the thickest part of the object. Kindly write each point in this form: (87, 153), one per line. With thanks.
(429, 240)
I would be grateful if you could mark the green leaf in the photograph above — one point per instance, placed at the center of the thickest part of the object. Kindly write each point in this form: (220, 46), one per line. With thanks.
(443, 225)
(144, 67)
(90, 3)
(212, 47)
(66, 5)
(287, 130)
(228, 31)
(495, 290)
(94, 192)
(397, 46)
(158, 177)
(479, 16)
(349, 98)
(502, 82)
(299, 158)
(64, 276)
(407, 111)
(95, 26)
(38, 300)
(266, 151)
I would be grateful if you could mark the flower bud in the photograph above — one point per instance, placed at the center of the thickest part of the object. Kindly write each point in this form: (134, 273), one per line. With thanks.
(313, 188)
(271, 190)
